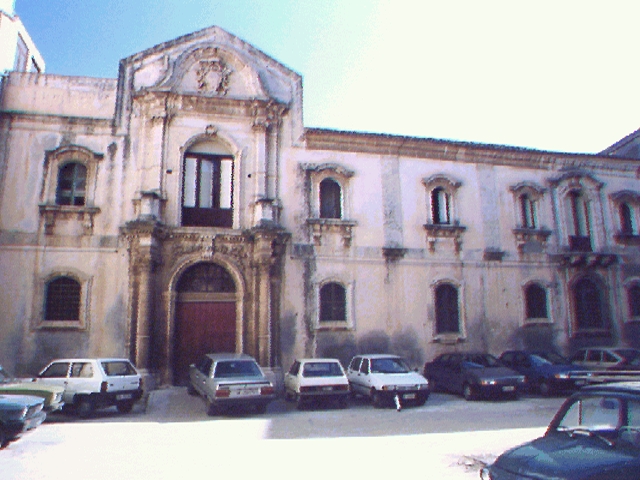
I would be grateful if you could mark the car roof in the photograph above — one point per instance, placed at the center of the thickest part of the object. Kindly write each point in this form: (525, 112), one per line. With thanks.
(318, 360)
(615, 387)
(93, 359)
(229, 356)
(378, 355)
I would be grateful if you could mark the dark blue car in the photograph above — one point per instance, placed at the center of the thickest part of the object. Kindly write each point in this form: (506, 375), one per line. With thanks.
(594, 436)
(546, 372)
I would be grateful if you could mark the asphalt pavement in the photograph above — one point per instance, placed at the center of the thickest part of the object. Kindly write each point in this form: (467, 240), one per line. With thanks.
(169, 436)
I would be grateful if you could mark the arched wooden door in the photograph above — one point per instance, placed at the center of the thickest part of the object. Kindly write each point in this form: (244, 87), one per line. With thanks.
(205, 316)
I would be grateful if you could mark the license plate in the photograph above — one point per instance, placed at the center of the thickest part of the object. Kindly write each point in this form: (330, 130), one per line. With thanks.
(124, 396)
(409, 396)
(246, 391)
(509, 388)
(580, 382)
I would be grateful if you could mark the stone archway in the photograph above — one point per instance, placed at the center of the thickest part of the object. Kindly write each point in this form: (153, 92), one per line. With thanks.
(205, 316)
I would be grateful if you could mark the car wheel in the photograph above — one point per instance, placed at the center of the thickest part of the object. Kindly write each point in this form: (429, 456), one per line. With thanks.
(467, 392)
(85, 408)
(191, 391)
(376, 399)
(125, 406)
(212, 409)
(545, 388)
(421, 399)
(300, 403)
(4, 439)
(342, 402)
(261, 408)
(433, 385)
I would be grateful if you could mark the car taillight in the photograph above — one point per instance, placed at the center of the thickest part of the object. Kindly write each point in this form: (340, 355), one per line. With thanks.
(103, 387)
(223, 392)
(267, 390)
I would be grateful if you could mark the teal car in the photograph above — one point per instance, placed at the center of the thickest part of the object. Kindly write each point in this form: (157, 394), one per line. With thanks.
(19, 414)
(51, 394)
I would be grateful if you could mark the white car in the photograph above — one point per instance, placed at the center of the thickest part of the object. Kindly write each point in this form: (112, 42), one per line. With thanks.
(311, 379)
(92, 383)
(227, 380)
(386, 379)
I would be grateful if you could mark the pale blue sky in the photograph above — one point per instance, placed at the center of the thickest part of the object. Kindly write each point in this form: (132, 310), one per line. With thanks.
(548, 74)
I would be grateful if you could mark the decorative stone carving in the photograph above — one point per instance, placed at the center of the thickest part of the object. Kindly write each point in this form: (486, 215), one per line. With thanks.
(213, 76)
(437, 231)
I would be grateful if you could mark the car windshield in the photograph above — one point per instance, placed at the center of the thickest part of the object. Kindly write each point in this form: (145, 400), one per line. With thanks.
(553, 358)
(632, 356)
(604, 415)
(388, 365)
(237, 368)
(321, 369)
(483, 360)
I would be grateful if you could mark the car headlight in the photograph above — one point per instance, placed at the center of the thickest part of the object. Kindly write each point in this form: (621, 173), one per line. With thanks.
(487, 381)
(561, 376)
(389, 388)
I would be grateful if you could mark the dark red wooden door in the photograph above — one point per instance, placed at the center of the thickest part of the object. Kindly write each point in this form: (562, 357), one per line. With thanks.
(202, 327)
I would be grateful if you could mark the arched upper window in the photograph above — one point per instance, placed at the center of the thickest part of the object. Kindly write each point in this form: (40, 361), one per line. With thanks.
(528, 211)
(72, 184)
(535, 301)
(206, 277)
(440, 206)
(330, 199)
(447, 311)
(333, 302)
(62, 299)
(578, 221)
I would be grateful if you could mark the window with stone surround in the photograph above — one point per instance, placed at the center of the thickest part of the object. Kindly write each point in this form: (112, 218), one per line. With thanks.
(529, 234)
(328, 203)
(68, 197)
(536, 309)
(442, 216)
(626, 205)
(633, 300)
(63, 297)
(589, 307)
(334, 300)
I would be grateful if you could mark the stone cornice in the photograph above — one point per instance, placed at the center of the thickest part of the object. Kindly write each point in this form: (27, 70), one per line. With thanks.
(462, 152)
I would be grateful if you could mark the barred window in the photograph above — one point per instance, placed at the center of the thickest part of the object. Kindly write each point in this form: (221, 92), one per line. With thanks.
(333, 303)
(62, 299)
(633, 298)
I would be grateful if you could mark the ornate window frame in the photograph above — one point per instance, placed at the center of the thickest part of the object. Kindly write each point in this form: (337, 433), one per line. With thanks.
(50, 211)
(626, 234)
(320, 227)
(528, 223)
(82, 323)
(446, 189)
(585, 189)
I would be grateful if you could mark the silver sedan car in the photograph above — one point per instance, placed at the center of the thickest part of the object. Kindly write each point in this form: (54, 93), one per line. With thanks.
(227, 380)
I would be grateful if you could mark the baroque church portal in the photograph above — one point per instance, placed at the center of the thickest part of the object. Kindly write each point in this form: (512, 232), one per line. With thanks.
(183, 208)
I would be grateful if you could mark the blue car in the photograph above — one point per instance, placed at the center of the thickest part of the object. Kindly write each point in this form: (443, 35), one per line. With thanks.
(594, 436)
(546, 372)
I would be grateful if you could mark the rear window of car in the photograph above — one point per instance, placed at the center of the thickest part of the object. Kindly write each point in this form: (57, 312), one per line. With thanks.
(237, 368)
(118, 368)
(322, 369)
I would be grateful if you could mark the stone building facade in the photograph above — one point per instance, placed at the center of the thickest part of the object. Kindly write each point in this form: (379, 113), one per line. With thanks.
(184, 208)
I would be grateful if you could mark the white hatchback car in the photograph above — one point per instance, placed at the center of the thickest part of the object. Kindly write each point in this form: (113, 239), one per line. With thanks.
(92, 383)
(386, 379)
(311, 379)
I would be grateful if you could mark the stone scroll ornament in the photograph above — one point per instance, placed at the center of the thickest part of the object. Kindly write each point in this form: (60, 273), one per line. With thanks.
(213, 76)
